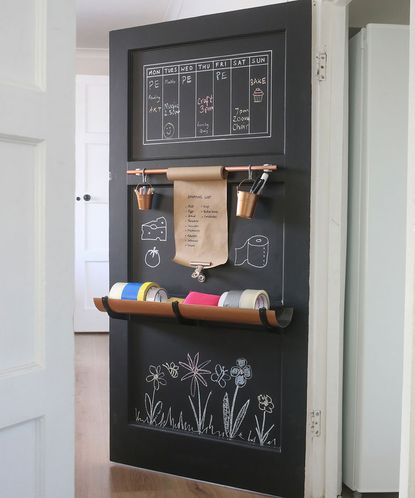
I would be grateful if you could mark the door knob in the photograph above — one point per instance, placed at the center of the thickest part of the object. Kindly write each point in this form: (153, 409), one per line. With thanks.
(87, 197)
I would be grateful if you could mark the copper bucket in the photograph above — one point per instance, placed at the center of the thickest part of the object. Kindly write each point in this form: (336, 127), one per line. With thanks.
(246, 202)
(144, 193)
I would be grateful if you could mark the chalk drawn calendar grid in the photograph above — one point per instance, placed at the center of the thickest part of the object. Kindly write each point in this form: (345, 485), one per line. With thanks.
(181, 98)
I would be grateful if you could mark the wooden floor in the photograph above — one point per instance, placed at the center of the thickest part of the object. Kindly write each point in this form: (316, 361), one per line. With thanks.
(96, 477)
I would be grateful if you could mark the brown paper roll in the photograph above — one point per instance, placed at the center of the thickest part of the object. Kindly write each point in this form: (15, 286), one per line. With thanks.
(200, 216)
(197, 173)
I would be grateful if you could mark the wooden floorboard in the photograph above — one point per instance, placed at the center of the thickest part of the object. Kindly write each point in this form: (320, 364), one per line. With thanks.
(96, 476)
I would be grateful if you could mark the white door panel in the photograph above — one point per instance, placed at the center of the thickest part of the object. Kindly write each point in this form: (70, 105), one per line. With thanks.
(37, 46)
(91, 216)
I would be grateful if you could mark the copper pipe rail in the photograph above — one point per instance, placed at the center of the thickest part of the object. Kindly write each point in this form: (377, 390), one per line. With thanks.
(230, 169)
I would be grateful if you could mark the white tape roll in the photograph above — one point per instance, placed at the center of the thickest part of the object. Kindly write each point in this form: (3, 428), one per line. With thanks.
(116, 290)
(254, 299)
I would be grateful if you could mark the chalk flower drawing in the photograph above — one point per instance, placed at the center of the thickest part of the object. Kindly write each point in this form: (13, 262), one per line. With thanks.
(266, 405)
(156, 377)
(196, 373)
(172, 368)
(242, 372)
(235, 423)
(220, 375)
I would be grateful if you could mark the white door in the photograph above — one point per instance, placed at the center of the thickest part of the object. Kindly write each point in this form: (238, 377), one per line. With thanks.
(37, 45)
(91, 203)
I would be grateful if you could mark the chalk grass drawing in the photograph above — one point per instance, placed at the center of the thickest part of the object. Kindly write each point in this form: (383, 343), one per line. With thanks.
(156, 377)
(172, 368)
(220, 375)
(152, 258)
(232, 424)
(195, 373)
(266, 405)
(254, 252)
(242, 372)
(155, 229)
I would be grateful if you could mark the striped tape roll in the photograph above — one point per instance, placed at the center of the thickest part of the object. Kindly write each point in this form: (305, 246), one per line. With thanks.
(125, 290)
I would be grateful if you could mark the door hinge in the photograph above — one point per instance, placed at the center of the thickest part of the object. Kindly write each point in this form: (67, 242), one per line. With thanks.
(109, 175)
(315, 423)
(321, 66)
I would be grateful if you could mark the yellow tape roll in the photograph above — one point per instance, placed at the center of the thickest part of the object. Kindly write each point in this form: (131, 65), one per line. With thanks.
(172, 299)
(142, 293)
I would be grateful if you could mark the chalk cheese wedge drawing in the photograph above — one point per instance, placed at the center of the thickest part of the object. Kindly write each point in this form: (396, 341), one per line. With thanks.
(254, 252)
(155, 230)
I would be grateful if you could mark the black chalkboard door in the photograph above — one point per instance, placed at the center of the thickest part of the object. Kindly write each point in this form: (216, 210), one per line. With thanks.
(215, 402)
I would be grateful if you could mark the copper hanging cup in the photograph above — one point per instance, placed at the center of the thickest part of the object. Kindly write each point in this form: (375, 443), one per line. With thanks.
(144, 192)
(246, 200)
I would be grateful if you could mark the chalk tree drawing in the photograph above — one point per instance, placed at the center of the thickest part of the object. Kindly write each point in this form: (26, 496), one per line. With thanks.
(196, 373)
(233, 423)
(254, 252)
(155, 229)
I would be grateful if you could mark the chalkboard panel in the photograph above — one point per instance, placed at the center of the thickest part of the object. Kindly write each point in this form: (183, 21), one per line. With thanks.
(218, 95)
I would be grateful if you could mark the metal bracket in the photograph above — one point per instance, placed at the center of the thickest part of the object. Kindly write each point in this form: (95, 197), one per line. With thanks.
(315, 423)
(321, 65)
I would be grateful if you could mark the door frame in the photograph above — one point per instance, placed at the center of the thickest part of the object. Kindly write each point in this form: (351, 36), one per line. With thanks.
(407, 474)
(329, 164)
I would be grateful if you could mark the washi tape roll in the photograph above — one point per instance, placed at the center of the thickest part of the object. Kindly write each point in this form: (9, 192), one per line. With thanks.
(157, 295)
(146, 286)
(125, 290)
(232, 298)
(254, 299)
(201, 299)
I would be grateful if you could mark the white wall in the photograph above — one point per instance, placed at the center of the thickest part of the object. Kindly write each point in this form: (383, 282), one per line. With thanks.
(192, 8)
(363, 12)
(92, 61)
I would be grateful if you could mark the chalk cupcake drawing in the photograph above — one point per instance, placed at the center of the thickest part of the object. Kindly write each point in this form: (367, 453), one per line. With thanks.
(238, 419)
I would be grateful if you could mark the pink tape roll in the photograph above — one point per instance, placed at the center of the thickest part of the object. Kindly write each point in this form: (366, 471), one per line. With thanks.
(201, 299)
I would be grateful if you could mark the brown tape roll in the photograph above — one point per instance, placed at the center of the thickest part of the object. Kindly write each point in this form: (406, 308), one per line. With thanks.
(197, 173)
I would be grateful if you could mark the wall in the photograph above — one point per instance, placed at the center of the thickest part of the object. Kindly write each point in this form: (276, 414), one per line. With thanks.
(92, 61)
(190, 8)
(362, 12)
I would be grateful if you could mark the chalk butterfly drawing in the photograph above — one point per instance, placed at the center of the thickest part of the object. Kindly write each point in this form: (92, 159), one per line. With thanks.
(220, 375)
(234, 422)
